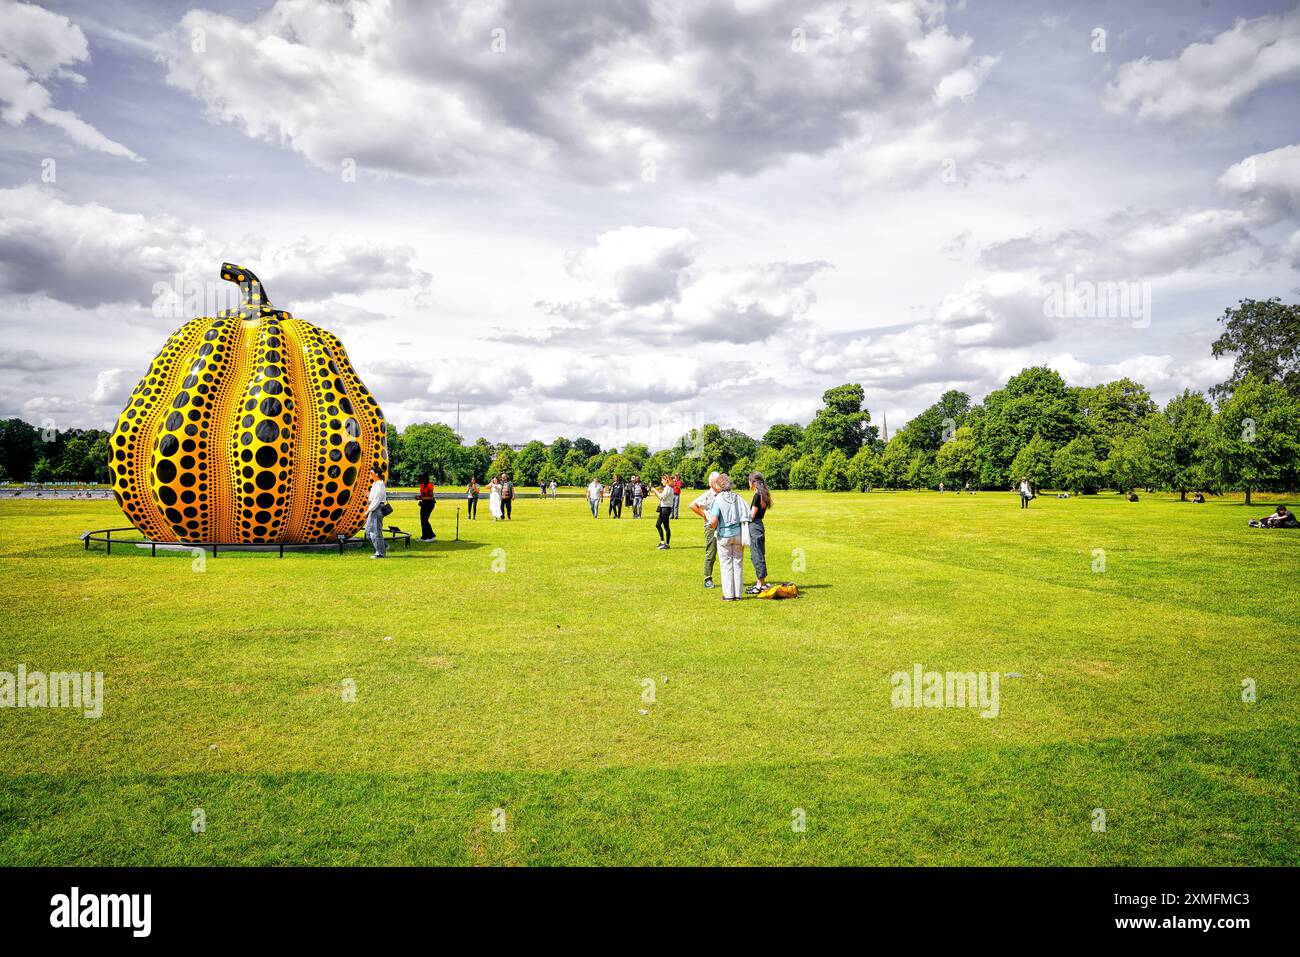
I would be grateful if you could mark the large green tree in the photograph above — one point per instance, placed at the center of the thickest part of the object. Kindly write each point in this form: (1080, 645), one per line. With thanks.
(842, 423)
(432, 449)
(1076, 467)
(1034, 403)
(1115, 410)
(783, 434)
(1177, 442)
(939, 423)
(20, 449)
(529, 462)
(1034, 461)
(1263, 337)
(956, 461)
(1255, 442)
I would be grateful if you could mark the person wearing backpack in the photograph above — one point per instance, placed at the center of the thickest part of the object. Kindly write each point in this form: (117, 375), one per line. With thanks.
(729, 516)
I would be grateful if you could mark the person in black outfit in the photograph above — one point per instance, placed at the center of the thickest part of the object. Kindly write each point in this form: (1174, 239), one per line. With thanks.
(471, 498)
(616, 498)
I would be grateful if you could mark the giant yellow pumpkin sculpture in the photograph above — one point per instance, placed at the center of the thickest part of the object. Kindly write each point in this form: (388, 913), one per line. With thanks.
(251, 427)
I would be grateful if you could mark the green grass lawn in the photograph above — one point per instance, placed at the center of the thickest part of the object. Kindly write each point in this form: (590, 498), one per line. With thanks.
(521, 689)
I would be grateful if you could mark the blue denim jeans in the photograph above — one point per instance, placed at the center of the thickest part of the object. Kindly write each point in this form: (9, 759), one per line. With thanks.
(375, 532)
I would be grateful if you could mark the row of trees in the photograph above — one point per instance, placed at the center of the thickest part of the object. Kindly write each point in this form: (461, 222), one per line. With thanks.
(31, 454)
(1244, 436)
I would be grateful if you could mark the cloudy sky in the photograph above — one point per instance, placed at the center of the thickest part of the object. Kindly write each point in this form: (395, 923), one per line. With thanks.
(622, 218)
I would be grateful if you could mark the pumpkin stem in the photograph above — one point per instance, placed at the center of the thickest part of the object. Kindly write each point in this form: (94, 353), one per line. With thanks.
(250, 287)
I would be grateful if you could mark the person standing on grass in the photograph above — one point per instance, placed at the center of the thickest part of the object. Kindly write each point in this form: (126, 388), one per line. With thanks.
(635, 494)
(507, 494)
(728, 515)
(494, 499)
(427, 501)
(616, 498)
(701, 507)
(1026, 491)
(471, 498)
(663, 525)
(758, 507)
(553, 487)
(677, 494)
(375, 513)
(594, 492)
(627, 493)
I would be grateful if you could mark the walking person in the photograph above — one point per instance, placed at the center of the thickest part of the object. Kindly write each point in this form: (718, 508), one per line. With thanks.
(758, 507)
(494, 499)
(677, 494)
(375, 513)
(594, 492)
(1026, 491)
(663, 524)
(427, 502)
(553, 488)
(638, 495)
(616, 498)
(627, 493)
(507, 494)
(701, 507)
(471, 498)
(728, 516)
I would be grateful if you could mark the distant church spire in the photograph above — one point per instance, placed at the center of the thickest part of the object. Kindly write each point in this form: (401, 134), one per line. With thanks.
(885, 416)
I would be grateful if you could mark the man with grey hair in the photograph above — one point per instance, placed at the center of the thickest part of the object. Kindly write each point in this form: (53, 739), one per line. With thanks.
(701, 508)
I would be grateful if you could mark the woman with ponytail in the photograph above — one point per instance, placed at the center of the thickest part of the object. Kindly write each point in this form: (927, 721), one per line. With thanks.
(761, 502)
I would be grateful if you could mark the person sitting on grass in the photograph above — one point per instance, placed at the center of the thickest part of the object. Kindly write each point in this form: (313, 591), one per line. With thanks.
(1282, 518)
(1198, 498)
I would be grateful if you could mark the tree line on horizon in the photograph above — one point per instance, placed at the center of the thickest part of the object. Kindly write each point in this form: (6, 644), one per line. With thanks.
(1243, 436)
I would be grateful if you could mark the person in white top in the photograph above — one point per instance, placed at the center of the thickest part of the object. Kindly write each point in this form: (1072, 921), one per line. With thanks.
(594, 492)
(701, 508)
(375, 514)
(494, 499)
(1026, 492)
